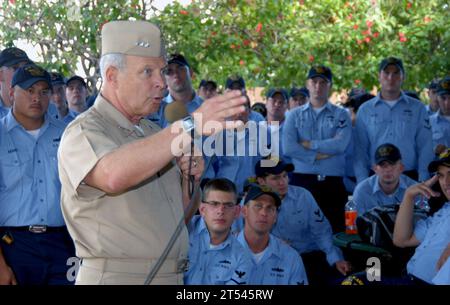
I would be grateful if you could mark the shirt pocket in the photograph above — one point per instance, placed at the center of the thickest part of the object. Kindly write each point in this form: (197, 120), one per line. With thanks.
(13, 170)
(406, 122)
(304, 129)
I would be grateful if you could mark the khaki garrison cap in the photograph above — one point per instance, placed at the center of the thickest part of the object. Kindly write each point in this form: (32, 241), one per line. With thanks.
(137, 38)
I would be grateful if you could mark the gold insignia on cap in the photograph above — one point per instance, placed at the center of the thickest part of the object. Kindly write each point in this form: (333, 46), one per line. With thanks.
(445, 154)
(446, 85)
(385, 151)
(35, 70)
(320, 70)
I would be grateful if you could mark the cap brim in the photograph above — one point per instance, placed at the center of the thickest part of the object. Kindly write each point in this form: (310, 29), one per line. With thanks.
(321, 76)
(271, 194)
(381, 160)
(78, 78)
(177, 62)
(433, 166)
(30, 82)
(16, 61)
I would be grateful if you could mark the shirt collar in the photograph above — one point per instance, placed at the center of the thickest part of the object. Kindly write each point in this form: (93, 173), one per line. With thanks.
(308, 105)
(11, 122)
(272, 248)
(402, 99)
(401, 185)
(111, 113)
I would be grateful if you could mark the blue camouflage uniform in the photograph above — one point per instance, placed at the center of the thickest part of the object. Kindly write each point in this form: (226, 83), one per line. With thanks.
(303, 226)
(440, 127)
(280, 264)
(368, 193)
(406, 125)
(226, 264)
(434, 236)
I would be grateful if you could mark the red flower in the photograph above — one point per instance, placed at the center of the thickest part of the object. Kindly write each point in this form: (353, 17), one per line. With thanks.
(357, 81)
(349, 57)
(232, 46)
(426, 19)
(376, 34)
(403, 39)
(369, 24)
(259, 27)
(359, 41)
(12, 1)
(408, 5)
(366, 32)
(241, 62)
(355, 26)
(311, 58)
(367, 39)
(246, 42)
(400, 34)
(184, 12)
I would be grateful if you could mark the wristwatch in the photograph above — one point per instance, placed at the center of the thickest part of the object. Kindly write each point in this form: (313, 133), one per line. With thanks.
(189, 126)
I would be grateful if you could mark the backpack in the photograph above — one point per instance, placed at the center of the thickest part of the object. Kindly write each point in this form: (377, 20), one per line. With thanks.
(376, 226)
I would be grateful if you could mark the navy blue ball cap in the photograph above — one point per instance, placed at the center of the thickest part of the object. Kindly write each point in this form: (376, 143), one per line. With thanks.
(76, 77)
(272, 167)
(281, 91)
(57, 78)
(256, 191)
(178, 59)
(444, 159)
(11, 56)
(387, 152)
(299, 91)
(321, 71)
(28, 75)
(443, 86)
(235, 83)
(392, 61)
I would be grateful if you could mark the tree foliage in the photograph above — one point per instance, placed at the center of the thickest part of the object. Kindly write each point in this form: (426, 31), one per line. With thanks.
(275, 42)
(269, 43)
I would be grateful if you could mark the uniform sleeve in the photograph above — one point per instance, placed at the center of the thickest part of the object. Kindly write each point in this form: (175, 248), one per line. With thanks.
(360, 198)
(243, 272)
(82, 146)
(321, 232)
(339, 143)
(298, 274)
(421, 228)
(291, 141)
(361, 161)
(424, 144)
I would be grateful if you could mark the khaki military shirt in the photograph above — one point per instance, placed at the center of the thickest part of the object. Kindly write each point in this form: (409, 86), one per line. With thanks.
(136, 224)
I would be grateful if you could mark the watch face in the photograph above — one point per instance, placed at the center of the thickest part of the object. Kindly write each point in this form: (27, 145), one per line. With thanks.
(188, 123)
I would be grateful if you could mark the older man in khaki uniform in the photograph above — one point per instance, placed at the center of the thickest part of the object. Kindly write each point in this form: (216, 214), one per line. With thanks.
(121, 189)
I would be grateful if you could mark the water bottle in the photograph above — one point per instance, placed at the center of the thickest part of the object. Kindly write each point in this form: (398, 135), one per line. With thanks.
(350, 216)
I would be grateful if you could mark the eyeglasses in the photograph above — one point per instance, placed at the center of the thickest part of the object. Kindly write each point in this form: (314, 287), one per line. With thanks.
(215, 204)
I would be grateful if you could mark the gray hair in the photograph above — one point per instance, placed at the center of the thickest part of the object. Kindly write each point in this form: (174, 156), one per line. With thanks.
(113, 59)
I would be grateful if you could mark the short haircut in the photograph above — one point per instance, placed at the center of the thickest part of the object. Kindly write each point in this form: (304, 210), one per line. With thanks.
(113, 59)
(219, 184)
